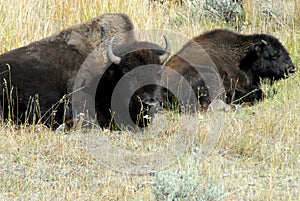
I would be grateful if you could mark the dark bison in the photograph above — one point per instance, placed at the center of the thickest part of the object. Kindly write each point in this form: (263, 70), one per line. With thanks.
(241, 61)
(138, 64)
(37, 79)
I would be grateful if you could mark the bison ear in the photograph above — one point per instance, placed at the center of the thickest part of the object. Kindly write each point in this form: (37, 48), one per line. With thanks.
(258, 47)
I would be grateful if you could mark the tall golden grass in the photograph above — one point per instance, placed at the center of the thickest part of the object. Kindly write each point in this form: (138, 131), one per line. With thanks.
(256, 158)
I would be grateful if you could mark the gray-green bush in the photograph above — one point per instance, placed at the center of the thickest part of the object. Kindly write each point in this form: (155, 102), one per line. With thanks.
(185, 185)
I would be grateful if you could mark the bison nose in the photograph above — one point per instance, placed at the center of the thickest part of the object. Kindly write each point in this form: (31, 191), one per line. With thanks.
(151, 102)
(291, 69)
(153, 106)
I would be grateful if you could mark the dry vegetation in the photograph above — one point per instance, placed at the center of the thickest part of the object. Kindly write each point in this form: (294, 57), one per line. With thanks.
(257, 157)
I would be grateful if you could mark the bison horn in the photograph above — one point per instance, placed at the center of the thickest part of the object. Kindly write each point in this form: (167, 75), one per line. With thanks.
(165, 56)
(264, 42)
(113, 58)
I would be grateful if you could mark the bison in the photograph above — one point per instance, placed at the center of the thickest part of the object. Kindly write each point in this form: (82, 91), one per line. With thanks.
(138, 67)
(37, 79)
(241, 61)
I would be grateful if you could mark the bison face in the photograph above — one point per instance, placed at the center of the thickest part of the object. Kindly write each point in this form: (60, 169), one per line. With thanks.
(139, 66)
(273, 61)
(144, 103)
(146, 98)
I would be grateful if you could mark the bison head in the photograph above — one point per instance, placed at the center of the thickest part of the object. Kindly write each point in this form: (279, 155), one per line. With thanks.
(140, 91)
(271, 60)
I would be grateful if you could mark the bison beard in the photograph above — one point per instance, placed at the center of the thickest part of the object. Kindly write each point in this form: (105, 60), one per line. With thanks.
(241, 60)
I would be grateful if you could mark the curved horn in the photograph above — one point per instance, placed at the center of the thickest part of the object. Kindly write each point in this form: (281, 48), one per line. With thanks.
(264, 42)
(113, 58)
(165, 56)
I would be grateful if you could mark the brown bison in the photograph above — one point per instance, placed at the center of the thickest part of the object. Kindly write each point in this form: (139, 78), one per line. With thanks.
(241, 61)
(37, 79)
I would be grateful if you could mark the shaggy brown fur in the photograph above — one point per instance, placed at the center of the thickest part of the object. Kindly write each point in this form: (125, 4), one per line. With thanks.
(48, 67)
(240, 60)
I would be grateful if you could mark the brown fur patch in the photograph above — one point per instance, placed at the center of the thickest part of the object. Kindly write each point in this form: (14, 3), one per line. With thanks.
(48, 67)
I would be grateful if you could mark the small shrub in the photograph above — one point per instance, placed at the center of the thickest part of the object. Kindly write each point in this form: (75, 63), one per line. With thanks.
(212, 191)
(229, 10)
(185, 185)
(170, 185)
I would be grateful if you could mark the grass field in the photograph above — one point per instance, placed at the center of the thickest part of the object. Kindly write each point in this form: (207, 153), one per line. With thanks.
(257, 156)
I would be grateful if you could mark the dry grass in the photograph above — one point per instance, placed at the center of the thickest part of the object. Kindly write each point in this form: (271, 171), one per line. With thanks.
(256, 157)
